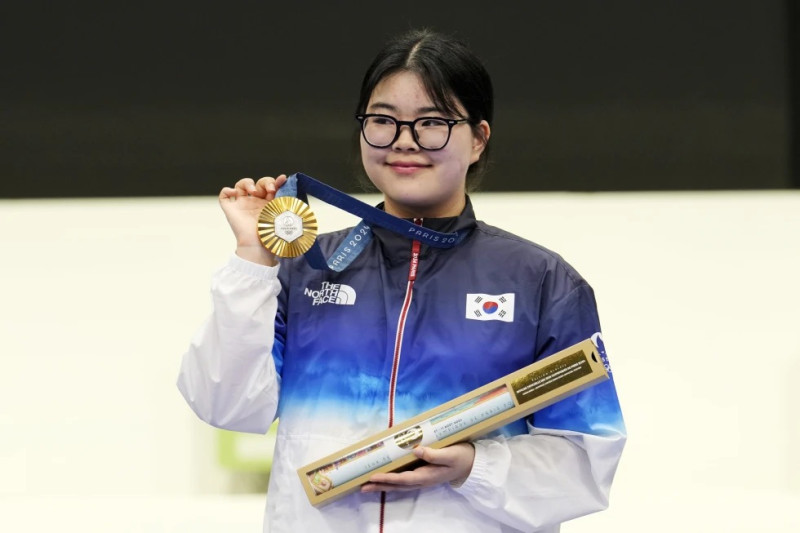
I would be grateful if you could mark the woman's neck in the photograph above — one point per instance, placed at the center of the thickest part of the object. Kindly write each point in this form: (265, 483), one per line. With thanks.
(450, 209)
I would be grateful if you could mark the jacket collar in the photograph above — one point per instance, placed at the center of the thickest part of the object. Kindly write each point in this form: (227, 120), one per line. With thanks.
(397, 248)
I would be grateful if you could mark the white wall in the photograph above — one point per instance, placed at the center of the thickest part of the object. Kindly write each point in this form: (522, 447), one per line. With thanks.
(698, 295)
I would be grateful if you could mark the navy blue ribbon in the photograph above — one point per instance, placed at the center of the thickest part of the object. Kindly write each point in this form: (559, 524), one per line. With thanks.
(300, 186)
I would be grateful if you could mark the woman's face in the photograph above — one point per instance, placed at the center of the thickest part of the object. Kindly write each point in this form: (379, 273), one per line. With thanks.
(417, 182)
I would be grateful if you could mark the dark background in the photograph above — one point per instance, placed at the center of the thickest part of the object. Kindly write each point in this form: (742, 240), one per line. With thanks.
(181, 98)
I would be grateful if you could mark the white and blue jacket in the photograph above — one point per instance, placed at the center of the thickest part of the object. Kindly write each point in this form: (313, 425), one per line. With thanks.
(340, 356)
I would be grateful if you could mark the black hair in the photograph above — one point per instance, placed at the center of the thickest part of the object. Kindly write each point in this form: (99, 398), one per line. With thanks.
(451, 73)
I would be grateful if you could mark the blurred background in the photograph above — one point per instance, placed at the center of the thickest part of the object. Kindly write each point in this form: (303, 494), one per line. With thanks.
(653, 144)
(176, 98)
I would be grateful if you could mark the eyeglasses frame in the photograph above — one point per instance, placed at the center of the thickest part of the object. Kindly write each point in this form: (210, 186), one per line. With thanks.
(362, 117)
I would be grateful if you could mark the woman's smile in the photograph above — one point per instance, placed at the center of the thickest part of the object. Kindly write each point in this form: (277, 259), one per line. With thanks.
(407, 167)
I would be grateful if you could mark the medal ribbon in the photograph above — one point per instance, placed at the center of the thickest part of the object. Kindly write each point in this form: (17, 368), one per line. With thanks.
(300, 185)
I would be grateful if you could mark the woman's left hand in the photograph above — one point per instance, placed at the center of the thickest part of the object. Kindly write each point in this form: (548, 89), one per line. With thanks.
(446, 465)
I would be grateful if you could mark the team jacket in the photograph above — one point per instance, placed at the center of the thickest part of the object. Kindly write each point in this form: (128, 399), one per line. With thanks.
(340, 356)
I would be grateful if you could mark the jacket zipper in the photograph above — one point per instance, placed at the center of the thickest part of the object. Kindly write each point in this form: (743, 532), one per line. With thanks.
(401, 326)
(398, 344)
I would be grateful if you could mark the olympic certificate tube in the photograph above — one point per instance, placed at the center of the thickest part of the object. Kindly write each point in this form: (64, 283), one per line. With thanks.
(395, 446)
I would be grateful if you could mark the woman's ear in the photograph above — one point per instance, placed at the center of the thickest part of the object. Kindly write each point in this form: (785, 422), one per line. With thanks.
(479, 140)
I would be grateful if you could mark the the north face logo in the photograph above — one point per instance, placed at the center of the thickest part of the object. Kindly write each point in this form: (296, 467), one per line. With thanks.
(332, 293)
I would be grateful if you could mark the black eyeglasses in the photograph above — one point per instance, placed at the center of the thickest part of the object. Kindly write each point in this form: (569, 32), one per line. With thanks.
(430, 133)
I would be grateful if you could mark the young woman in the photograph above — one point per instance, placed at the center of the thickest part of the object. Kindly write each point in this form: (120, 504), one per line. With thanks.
(283, 341)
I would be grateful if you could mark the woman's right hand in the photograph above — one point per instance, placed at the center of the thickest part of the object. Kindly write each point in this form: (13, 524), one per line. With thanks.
(242, 205)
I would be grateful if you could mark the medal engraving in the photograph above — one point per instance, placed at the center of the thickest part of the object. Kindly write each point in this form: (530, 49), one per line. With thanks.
(287, 227)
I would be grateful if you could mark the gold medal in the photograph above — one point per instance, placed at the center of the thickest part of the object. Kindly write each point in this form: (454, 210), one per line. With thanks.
(287, 227)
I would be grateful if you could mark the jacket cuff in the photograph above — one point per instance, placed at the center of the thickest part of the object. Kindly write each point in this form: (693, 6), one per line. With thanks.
(480, 473)
(248, 268)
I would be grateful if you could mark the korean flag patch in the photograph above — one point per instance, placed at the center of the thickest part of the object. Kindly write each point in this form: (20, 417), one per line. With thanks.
(491, 307)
